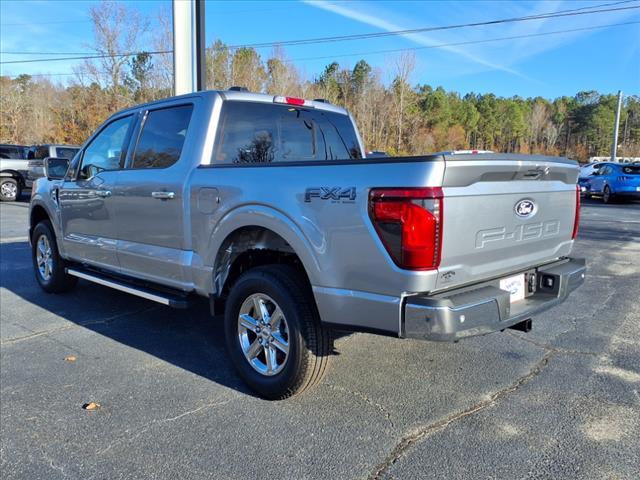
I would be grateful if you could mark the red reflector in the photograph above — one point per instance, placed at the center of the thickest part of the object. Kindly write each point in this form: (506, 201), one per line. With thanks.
(409, 223)
(294, 101)
(576, 222)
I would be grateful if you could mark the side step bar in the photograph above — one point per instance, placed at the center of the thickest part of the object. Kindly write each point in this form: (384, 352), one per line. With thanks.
(165, 298)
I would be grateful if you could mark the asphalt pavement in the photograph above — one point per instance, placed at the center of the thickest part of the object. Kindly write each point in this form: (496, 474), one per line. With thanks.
(562, 401)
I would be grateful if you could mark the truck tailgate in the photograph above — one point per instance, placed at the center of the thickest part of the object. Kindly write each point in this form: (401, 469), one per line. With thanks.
(503, 213)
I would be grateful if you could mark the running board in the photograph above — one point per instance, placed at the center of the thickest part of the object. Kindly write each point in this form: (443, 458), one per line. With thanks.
(175, 301)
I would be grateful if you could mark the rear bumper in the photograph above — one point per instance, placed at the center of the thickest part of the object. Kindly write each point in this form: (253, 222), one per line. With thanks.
(485, 308)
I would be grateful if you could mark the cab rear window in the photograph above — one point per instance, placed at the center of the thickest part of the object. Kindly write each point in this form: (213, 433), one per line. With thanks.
(267, 133)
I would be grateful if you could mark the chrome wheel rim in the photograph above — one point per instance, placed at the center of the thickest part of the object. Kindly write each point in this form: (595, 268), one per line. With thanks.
(263, 334)
(9, 190)
(44, 257)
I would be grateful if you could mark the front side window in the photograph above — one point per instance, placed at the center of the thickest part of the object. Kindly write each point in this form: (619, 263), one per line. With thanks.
(162, 137)
(41, 152)
(268, 133)
(66, 152)
(104, 152)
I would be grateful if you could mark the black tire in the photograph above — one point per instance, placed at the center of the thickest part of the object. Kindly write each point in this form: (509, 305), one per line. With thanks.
(59, 280)
(10, 189)
(607, 196)
(309, 344)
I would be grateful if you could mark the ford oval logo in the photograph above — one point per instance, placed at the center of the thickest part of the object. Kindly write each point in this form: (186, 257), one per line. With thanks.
(525, 208)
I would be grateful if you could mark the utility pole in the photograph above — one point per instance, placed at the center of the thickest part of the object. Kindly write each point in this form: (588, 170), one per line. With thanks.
(614, 147)
(188, 46)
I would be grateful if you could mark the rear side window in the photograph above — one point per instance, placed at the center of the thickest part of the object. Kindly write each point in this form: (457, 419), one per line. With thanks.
(631, 170)
(268, 133)
(162, 138)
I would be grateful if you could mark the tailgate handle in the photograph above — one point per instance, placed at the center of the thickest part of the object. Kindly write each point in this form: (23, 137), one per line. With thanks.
(536, 173)
(163, 195)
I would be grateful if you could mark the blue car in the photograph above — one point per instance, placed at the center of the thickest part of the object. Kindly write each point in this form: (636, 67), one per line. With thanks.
(613, 181)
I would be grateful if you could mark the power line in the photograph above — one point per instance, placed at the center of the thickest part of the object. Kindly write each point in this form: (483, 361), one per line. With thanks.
(43, 23)
(442, 45)
(562, 13)
(470, 42)
(87, 57)
(217, 12)
(364, 36)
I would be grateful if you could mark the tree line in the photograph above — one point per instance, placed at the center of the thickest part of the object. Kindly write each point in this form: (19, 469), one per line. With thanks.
(396, 116)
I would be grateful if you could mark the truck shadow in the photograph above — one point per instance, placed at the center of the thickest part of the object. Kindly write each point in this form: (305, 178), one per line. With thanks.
(190, 339)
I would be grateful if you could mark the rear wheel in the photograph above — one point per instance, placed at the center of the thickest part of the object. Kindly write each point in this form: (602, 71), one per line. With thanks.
(607, 196)
(10, 189)
(48, 266)
(273, 332)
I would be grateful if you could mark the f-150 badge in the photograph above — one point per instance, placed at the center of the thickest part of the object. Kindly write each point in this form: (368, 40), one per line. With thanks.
(334, 194)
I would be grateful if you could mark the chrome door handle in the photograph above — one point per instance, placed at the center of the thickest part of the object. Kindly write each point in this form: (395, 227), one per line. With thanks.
(163, 195)
(103, 193)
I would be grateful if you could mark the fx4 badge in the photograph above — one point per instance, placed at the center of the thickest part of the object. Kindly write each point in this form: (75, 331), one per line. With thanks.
(335, 194)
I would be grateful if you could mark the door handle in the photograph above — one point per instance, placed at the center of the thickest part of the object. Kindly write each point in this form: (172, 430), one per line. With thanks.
(163, 195)
(103, 193)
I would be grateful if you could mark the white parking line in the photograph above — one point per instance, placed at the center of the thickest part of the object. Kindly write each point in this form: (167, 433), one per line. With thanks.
(14, 239)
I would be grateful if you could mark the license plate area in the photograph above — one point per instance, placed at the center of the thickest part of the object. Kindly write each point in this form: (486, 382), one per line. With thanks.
(516, 286)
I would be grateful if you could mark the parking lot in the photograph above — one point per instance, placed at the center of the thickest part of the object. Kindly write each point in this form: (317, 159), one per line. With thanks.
(562, 401)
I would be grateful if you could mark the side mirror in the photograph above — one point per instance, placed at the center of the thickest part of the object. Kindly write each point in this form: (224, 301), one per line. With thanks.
(56, 168)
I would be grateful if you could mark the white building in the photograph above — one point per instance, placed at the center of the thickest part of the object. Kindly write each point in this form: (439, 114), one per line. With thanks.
(618, 159)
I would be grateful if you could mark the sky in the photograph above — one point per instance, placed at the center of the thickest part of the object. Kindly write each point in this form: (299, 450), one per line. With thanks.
(606, 58)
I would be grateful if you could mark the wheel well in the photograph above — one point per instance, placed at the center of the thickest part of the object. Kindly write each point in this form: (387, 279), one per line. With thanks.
(13, 174)
(250, 247)
(38, 214)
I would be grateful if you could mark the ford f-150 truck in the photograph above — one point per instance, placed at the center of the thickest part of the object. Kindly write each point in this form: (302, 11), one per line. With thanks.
(268, 206)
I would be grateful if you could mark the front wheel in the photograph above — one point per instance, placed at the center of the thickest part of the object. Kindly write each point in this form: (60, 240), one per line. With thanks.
(10, 189)
(273, 332)
(607, 197)
(48, 266)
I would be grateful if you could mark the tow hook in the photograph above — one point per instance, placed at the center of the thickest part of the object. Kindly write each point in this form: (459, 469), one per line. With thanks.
(523, 326)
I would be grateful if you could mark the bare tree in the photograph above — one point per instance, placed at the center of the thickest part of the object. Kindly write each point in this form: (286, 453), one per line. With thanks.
(117, 30)
(163, 42)
(403, 68)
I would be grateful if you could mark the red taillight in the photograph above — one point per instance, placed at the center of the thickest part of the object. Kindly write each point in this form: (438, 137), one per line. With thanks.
(576, 222)
(409, 223)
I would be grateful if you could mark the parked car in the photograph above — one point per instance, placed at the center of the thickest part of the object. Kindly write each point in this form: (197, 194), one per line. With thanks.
(588, 169)
(13, 171)
(586, 173)
(615, 181)
(37, 154)
(267, 206)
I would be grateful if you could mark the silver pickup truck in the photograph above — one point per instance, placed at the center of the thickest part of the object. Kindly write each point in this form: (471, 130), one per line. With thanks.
(268, 206)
